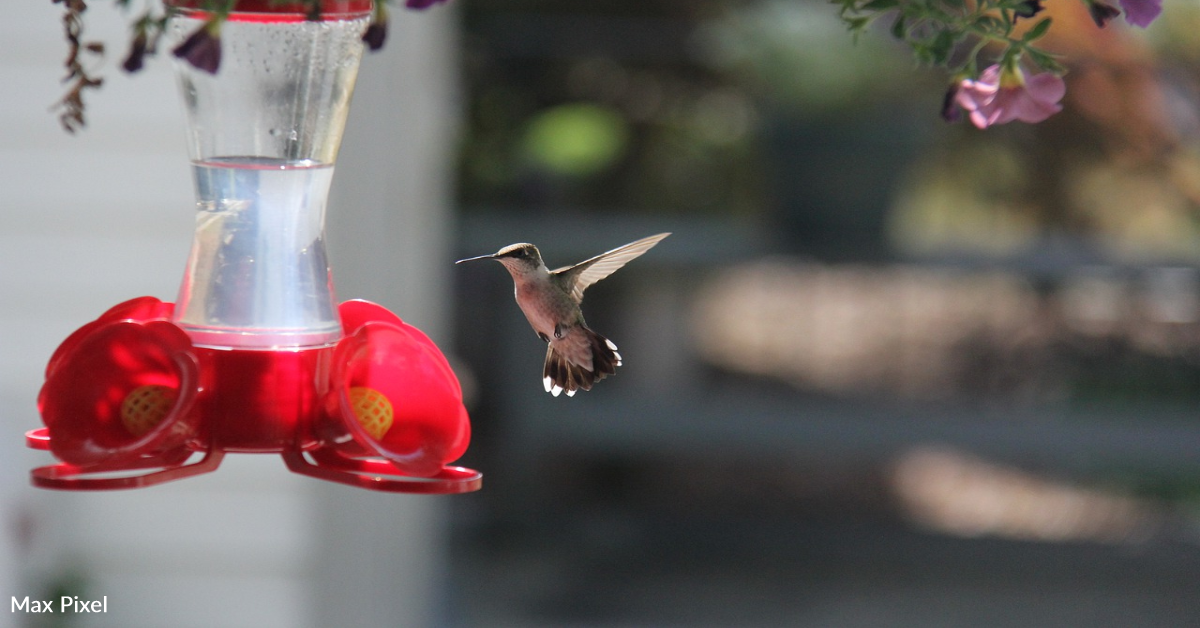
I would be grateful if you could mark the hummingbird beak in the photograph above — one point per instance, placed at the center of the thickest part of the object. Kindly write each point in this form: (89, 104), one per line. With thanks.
(471, 259)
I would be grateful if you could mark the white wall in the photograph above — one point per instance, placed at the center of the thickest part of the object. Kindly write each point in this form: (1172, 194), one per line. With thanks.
(91, 220)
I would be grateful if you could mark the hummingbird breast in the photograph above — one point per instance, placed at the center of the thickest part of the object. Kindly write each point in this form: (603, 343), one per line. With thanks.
(544, 307)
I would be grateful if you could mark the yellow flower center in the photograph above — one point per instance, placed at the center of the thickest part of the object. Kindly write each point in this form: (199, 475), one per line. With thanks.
(1011, 77)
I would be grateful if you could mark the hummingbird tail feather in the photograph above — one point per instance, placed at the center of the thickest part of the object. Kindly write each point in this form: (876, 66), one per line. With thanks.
(564, 374)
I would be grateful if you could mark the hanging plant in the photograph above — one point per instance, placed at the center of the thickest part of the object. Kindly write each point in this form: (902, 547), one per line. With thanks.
(202, 48)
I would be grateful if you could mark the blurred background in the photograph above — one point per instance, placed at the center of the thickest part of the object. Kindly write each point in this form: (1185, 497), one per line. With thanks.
(888, 371)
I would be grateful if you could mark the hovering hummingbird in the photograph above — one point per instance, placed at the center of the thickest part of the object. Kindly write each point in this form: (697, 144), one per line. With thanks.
(576, 357)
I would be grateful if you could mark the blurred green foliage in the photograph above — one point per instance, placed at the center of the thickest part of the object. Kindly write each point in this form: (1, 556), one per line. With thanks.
(660, 106)
(770, 110)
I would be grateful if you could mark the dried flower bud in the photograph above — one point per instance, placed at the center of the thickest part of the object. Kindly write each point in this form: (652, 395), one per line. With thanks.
(951, 112)
(137, 53)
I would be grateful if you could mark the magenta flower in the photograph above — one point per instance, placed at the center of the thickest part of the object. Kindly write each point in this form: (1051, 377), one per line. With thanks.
(1141, 12)
(997, 97)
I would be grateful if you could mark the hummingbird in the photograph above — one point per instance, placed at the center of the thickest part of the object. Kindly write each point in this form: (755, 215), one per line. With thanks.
(576, 356)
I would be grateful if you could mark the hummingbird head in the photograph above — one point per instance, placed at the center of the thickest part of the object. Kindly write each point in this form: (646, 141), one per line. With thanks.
(520, 259)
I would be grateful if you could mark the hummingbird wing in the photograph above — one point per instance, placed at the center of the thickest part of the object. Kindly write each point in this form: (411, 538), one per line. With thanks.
(575, 279)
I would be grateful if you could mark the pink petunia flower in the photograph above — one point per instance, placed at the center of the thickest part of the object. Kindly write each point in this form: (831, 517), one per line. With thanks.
(997, 96)
(1141, 12)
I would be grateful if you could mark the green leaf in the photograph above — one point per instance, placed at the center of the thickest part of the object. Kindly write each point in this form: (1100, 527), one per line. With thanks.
(1044, 60)
(988, 24)
(857, 24)
(900, 28)
(846, 6)
(1037, 31)
(880, 5)
(941, 46)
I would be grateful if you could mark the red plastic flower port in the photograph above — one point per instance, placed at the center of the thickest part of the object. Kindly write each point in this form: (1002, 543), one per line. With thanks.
(128, 400)
(393, 418)
(395, 393)
(141, 309)
(121, 389)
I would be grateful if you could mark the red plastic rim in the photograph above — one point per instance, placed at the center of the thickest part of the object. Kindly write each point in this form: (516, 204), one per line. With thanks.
(281, 11)
(69, 477)
(378, 474)
(38, 439)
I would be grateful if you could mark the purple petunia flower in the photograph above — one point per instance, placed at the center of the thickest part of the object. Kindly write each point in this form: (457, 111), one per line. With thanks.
(202, 48)
(375, 35)
(377, 31)
(1102, 12)
(1141, 12)
(997, 97)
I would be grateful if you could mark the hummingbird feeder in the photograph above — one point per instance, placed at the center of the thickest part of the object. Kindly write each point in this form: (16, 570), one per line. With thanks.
(256, 356)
